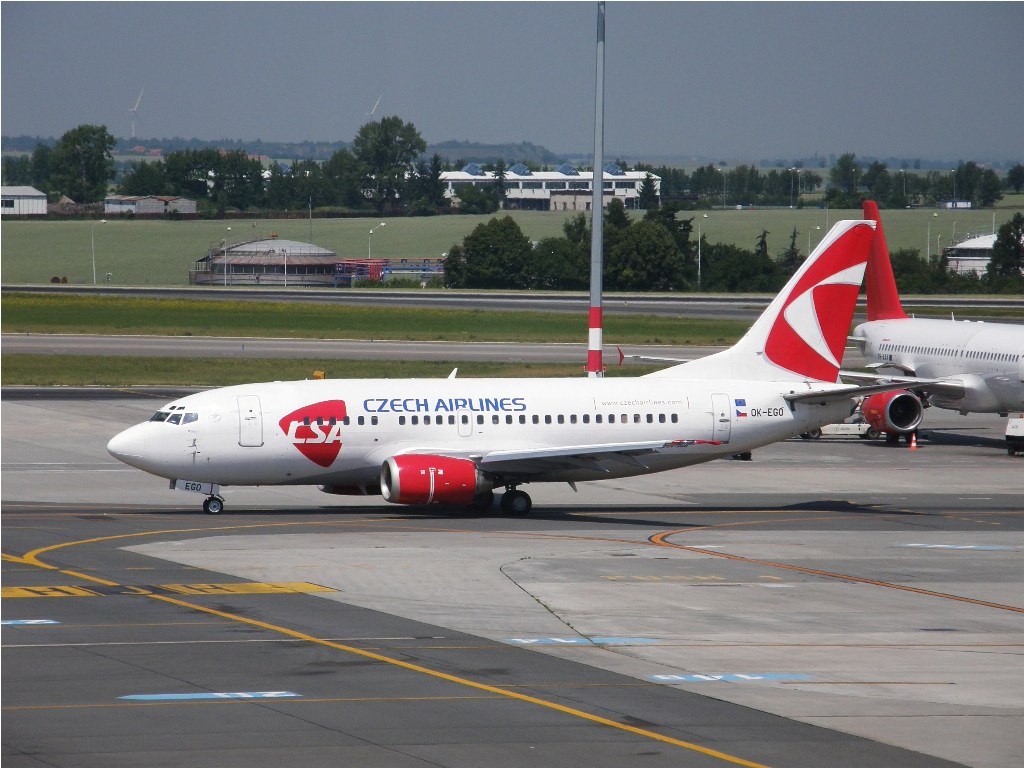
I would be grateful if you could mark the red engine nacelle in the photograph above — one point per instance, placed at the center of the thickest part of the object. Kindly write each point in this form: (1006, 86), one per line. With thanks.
(423, 479)
(896, 413)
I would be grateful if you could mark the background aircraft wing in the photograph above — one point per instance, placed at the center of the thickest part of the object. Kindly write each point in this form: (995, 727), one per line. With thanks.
(951, 388)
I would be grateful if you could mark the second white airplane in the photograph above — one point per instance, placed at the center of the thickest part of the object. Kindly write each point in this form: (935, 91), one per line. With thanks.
(454, 441)
(965, 366)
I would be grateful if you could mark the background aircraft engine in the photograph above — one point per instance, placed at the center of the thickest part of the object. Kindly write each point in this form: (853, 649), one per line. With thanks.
(423, 479)
(896, 413)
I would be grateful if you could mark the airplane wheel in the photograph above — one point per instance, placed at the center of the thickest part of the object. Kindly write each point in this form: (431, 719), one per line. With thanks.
(516, 503)
(213, 505)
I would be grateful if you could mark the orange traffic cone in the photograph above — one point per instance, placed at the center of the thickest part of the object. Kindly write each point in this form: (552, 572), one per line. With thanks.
(913, 441)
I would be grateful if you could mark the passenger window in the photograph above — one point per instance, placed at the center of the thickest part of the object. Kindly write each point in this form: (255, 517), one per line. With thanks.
(479, 419)
(547, 419)
(495, 419)
(586, 418)
(373, 420)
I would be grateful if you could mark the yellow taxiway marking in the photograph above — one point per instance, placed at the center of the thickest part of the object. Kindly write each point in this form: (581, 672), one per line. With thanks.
(33, 558)
(244, 588)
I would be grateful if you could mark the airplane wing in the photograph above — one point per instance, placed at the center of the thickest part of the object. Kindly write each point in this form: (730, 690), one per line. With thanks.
(951, 388)
(881, 384)
(535, 461)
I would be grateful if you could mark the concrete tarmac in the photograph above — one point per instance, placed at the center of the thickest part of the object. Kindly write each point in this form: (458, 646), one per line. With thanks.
(835, 602)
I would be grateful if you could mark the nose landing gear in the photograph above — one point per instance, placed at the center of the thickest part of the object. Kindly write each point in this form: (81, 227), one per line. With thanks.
(213, 505)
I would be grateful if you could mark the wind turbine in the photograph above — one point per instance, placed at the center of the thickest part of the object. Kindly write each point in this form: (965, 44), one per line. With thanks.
(134, 111)
(371, 113)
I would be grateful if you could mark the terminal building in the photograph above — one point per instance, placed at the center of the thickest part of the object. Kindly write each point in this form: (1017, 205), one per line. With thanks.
(564, 189)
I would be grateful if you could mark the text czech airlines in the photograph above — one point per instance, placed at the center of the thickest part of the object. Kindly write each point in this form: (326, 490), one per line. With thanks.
(444, 405)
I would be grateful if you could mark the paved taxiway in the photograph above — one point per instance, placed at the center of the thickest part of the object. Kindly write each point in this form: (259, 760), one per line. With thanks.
(838, 603)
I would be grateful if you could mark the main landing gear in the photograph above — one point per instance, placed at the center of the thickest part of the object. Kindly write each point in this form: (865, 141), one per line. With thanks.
(213, 505)
(516, 503)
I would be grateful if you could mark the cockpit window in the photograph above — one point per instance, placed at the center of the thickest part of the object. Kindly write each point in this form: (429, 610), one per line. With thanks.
(175, 418)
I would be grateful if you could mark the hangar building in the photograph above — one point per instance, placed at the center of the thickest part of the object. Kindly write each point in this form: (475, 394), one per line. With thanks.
(22, 201)
(266, 262)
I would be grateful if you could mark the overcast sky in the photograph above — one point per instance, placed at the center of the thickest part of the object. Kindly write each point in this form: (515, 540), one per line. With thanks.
(736, 81)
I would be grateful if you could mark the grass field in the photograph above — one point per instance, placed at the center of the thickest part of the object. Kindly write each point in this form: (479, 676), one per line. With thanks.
(75, 371)
(161, 252)
(179, 317)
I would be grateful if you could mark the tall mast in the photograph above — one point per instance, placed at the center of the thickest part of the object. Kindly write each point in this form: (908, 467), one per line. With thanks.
(595, 366)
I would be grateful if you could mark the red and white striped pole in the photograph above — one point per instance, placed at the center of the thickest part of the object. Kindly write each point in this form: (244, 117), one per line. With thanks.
(595, 340)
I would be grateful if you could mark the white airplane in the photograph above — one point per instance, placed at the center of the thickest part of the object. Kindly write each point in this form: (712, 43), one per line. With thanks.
(961, 365)
(453, 441)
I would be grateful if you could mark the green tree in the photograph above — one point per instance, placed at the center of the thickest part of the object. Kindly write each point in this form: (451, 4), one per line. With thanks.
(791, 257)
(387, 151)
(644, 257)
(143, 178)
(557, 264)
(17, 170)
(989, 190)
(1006, 267)
(343, 175)
(648, 196)
(494, 255)
(1015, 177)
(82, 165)
(191, 172)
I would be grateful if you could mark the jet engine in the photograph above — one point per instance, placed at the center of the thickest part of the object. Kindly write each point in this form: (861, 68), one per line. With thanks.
(895, 413)
(424, 479)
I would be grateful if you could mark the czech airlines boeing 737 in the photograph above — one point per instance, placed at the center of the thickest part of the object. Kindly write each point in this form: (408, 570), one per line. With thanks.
(453, 441)
(966, 366)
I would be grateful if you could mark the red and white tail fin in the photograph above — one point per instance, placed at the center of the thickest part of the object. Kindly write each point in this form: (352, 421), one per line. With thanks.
(802, 334)
(883, 298)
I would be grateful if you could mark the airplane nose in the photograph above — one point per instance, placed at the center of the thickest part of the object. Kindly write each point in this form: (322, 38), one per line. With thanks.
(128, 445)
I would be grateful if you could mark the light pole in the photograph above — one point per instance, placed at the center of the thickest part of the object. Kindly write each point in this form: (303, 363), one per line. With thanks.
(791, 172)
(225, 254)
(369, 238)
(928, 239)
(93, 238)
(698, 249)
(722, 171)
(809, 239)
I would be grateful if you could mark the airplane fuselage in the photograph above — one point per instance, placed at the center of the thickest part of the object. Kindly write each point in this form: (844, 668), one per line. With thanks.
(339, 433)
(988, 358)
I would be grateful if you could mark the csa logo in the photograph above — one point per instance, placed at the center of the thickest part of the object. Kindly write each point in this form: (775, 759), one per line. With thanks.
(809, 336)
(316, 430)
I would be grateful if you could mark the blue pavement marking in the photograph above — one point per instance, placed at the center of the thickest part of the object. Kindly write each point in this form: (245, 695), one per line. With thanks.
(982, 547)
(209, 696)
(27, 622)
(731, 678)
(581, 640)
